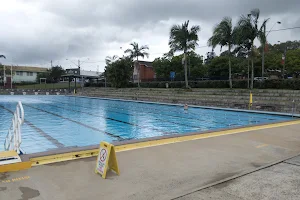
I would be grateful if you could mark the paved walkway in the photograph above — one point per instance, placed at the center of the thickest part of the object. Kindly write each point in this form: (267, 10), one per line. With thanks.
(170, 171)
(277, 182)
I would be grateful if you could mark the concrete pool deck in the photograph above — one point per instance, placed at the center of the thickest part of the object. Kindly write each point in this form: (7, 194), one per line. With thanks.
(160, 172)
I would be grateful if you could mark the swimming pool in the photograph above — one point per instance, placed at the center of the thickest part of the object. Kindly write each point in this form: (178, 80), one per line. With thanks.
(53, 122)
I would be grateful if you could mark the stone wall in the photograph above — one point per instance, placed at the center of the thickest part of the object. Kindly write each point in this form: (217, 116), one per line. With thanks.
(268, 100)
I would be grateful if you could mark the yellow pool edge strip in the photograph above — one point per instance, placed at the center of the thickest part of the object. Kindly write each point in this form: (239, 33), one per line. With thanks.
(199, 136)
(152, 143)
(15, 166)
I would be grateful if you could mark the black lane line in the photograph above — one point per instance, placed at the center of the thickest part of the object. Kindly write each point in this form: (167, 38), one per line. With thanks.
(77, 122)
(135, 115)
(176, 116)
(109, 118)
(40, 131)
(195, 114)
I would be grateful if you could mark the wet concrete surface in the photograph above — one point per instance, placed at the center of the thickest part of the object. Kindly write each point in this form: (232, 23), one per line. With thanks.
(277, 183)
(168, 171)
(28, 193)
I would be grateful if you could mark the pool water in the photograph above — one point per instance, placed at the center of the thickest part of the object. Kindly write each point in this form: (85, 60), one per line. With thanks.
(53, 122)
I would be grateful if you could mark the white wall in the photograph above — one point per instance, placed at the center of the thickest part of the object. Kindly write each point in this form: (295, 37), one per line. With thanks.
(25, 77)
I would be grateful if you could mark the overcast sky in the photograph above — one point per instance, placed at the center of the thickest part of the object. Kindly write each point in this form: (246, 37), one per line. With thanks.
(33, 32)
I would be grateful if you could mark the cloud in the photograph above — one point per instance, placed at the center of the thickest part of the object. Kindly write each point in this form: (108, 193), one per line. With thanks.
(37, 31)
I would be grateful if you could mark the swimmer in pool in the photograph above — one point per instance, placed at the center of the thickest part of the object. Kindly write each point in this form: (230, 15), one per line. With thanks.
(186, 107)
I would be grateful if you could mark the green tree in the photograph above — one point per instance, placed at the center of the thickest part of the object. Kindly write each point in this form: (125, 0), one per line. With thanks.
(119, 72)
(44, 75)
(52, 75)
(110, 59)
(293, 62)
(248, 31)
(162, 67)
(56, 73)
(184, 39)
(137, 52)
(224, 35)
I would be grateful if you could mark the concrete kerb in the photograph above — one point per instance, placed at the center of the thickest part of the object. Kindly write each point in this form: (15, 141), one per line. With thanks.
(237, 176)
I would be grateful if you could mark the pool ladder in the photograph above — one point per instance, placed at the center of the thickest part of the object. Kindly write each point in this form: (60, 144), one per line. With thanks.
(13, 138)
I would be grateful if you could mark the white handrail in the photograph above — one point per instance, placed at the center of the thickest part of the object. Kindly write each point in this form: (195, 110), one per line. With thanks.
(13, 138)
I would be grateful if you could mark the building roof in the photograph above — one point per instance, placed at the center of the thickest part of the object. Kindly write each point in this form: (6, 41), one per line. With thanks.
(83, 73)
(90, 73)
(146, 63)
(27, 68)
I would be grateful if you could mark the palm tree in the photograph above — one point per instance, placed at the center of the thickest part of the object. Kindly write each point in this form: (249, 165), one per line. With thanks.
(263, 40)
(184, 39)
(224, 35)
(109, 60)
(248, 30)
(137, 52)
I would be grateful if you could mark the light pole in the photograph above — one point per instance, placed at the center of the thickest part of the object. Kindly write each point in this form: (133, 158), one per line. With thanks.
(263, 48)
(2, 56)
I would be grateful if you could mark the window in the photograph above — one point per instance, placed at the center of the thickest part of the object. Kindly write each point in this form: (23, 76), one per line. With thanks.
(19, 73)
(29, 73)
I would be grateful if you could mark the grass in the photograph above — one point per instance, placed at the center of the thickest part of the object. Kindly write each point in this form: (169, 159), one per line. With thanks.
(49, 86)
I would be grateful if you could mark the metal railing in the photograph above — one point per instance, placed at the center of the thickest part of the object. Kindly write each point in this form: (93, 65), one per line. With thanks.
(13, 138)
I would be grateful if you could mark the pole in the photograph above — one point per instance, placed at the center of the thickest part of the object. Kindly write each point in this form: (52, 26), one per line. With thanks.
(284, 61)
(51, 64)
(11, 77)
(189, 66)
(250, 101)
(75, 85)
(248, 83)
(4, 76)
(263, 56)
(69, 84)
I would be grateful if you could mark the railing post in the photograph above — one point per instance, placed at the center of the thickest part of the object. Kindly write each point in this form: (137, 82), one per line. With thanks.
(13, 138)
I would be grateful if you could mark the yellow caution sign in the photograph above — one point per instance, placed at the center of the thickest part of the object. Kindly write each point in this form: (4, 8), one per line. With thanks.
(106, 159)
(250, 101)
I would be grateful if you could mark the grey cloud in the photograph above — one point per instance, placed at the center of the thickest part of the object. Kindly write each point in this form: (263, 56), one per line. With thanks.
(59, 29)
(134, 13)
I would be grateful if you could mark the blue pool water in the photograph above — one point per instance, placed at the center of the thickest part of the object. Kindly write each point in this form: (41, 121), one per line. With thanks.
(62, 121)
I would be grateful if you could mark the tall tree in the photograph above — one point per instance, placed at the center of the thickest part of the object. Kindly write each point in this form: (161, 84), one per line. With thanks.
(119, 72)
(248, 30)
(110, 59)
(56, 73)
(136, 52)
(184, 39)
(224, 35)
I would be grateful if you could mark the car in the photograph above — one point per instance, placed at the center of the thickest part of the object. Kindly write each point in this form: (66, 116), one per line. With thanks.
(260, 78)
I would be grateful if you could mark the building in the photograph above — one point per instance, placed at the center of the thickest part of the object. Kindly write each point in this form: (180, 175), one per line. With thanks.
(80, 75)
(146, 71)
(23, 73)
